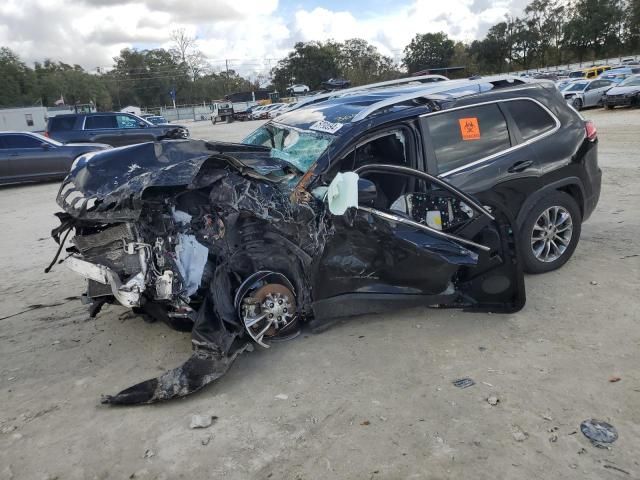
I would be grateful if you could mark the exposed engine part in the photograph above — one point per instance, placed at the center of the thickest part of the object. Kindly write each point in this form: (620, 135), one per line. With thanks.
(164, 285)
(128, 294)
(268, 307)
(158, 251)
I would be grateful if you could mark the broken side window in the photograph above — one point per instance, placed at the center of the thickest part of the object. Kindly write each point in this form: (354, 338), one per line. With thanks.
(389, 148)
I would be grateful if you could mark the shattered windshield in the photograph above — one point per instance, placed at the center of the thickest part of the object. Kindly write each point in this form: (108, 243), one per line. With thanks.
(300, 148)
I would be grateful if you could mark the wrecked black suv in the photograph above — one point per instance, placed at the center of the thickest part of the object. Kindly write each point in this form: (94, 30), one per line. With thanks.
(374, 198)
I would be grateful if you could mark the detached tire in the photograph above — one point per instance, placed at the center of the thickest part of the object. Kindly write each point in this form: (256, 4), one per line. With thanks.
(550, 233)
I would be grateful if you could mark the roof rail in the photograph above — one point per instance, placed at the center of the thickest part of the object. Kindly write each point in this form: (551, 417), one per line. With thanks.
(437, 88)
(387, 83)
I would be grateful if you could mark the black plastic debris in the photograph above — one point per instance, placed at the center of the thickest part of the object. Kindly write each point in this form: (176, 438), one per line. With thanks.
(463, 382)
(599, 432)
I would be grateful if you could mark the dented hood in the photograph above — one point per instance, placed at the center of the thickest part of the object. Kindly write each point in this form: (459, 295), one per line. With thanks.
(110, 184)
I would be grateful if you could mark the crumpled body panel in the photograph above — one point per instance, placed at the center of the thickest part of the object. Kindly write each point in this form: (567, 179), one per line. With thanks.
(192, 221)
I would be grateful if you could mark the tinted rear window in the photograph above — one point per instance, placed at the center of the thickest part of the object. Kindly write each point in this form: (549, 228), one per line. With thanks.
(100, 121)
(20, 141)
(466, 135)
(57, 124)
(531, 118)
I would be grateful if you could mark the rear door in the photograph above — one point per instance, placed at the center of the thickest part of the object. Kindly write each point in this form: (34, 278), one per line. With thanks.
(434, 245)
(476, 149)
(102, 129)
(133, 130)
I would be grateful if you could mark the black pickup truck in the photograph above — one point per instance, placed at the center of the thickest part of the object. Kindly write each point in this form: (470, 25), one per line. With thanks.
(113, 128)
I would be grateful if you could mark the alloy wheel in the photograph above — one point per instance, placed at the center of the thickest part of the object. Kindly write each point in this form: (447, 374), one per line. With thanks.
(551, 234)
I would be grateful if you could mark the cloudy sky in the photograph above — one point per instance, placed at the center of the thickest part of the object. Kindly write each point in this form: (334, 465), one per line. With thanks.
(252, 34)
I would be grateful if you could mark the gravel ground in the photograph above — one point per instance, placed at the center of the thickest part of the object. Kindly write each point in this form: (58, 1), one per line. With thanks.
(370, 398)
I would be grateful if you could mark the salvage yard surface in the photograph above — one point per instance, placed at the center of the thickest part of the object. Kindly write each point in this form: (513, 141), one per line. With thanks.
(370, 398)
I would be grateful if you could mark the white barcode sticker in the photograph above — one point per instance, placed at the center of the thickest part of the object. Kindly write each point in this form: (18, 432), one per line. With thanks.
(327, 127)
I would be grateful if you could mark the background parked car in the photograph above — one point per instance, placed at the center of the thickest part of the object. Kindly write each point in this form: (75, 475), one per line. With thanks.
(278, 109)
(28, 157)
(284, 109)
(156, 119)
(260, 112)
(298, 89)
(617, 75)
(590, 72)
(586, 93)
(113, 128)
(336, 84)
(626, 93)
(565, 82)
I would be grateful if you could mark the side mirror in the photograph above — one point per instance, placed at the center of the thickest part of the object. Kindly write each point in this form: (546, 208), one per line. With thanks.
(142, 125)
(367, 192)
(45, 145)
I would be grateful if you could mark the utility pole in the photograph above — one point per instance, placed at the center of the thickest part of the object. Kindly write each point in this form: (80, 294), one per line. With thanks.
(226, 81)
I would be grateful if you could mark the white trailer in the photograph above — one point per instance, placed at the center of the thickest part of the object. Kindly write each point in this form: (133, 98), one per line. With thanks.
(27, 119)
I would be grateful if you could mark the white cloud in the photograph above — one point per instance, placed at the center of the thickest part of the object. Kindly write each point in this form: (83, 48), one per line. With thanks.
(252, 33)
(392, 31)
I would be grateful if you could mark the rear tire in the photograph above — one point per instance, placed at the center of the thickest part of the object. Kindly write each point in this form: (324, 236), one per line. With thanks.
(550, 233)
(609, 107)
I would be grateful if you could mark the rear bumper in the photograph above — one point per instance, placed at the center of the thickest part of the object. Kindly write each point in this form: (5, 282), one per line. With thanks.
(591, 202)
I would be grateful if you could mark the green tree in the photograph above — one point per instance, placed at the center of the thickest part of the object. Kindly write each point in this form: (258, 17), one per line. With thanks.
(310, 63)
(72, 83)
(594, 27)
(361, 63)
(632, 26)
(493, 53)
(18, 81)
(145, 78)
(428, 50)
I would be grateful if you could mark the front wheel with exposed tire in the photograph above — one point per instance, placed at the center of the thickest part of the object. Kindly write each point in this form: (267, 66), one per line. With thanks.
(550, 233)
(577, 104)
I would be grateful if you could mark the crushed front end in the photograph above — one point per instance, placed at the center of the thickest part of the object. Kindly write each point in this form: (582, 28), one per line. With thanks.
(176, 231)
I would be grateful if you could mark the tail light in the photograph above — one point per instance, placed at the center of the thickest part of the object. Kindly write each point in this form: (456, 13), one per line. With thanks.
(590, 130)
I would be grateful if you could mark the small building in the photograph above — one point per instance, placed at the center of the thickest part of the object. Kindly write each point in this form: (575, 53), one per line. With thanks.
(132, 109)
(27, 119)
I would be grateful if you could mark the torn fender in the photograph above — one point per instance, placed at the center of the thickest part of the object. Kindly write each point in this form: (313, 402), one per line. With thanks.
(199, 370)
(111, 187)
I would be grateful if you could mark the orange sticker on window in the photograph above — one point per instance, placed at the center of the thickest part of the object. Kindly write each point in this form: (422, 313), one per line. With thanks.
(469, 128)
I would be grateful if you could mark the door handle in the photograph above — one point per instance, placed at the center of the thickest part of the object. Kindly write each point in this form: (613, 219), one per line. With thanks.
(519, 166)
(14, 154)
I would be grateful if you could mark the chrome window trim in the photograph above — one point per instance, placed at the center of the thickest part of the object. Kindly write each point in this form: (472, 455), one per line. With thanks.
(406, 221)
(502, 152)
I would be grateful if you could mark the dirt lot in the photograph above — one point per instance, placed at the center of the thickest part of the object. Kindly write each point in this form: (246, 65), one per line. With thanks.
(369, 399)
